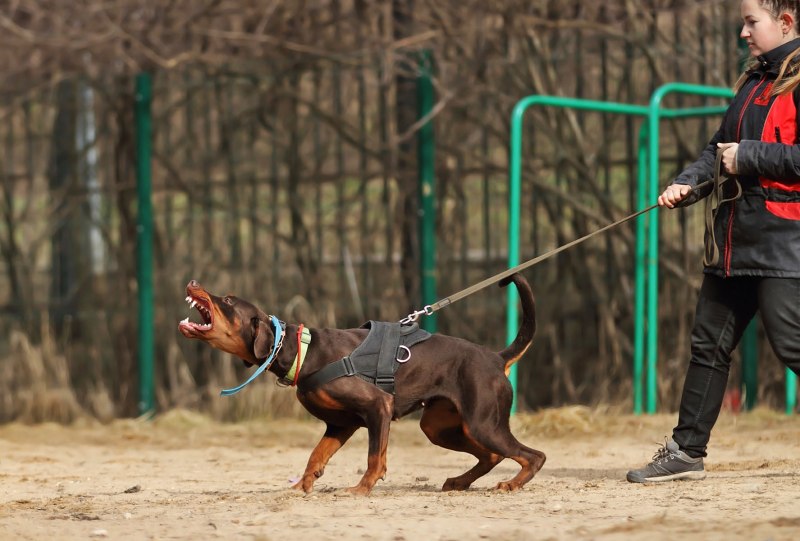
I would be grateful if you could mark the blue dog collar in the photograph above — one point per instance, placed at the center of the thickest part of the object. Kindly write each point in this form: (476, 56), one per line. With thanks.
(278, 341)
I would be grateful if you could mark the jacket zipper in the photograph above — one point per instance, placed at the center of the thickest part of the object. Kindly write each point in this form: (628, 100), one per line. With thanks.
(729, 236)
(744, 107)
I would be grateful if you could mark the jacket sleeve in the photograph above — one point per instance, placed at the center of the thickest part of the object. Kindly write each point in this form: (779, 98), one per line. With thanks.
(700, 171)
(770, 160)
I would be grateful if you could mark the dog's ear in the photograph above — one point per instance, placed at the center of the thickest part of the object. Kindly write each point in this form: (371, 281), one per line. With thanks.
(262, 345)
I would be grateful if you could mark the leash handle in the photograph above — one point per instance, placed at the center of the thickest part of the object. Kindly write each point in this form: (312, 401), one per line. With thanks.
(713, 202)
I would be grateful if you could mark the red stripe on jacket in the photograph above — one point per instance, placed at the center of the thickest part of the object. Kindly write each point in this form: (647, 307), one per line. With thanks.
(781, 127)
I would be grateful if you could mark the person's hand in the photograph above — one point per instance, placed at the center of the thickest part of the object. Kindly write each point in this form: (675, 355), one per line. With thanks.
(729, 156)
(673, 194)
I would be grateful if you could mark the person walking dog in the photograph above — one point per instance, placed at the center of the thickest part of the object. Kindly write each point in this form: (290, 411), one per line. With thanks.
(752, 261)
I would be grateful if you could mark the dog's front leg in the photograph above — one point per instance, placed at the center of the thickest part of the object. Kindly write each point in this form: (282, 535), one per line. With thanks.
(379, 417)
(332, 441)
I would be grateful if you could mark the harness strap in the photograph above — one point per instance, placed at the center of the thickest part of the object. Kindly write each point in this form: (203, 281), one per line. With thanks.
(384, 377)
(375, 360)
(341, 368)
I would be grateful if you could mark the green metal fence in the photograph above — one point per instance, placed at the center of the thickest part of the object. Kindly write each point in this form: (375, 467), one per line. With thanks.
(284, 182)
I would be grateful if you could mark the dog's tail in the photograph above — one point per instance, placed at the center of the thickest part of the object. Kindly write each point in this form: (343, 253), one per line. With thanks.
(522, 342)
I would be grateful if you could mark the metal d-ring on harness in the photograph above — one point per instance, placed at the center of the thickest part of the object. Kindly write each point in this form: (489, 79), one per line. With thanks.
(712, 206)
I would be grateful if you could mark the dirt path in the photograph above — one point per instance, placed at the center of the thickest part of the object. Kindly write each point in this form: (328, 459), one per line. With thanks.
(188, 478)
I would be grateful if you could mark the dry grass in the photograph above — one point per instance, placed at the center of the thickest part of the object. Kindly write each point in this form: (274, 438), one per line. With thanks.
(604, 420)
(36, 386)
(35, 383)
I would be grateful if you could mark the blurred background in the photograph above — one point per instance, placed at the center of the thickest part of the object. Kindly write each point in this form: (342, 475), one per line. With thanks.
(287, 142)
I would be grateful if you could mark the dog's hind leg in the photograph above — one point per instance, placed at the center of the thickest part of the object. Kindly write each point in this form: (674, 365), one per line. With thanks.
(443, 425)
(332, 441)
(497, 438)
(487, 423)
(530, 460)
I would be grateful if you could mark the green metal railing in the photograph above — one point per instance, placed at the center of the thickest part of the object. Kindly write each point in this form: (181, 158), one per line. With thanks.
(515, 182)
(646, 280)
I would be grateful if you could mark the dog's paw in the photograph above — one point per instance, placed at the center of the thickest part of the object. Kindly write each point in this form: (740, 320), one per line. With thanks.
(455, 483)
(305, 485)
(507, 486)
(358, 490)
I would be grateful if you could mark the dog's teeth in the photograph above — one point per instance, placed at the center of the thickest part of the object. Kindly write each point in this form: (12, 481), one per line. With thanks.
(185, 320)
(193, 303)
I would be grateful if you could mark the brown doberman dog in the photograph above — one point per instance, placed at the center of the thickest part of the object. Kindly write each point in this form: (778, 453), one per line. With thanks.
(462, 387)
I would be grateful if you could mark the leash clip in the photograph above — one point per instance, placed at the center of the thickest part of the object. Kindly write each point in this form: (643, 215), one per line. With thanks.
(413, 316)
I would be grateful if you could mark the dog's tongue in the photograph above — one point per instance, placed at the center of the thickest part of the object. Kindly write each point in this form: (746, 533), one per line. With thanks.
(201, 326)
(191, 328)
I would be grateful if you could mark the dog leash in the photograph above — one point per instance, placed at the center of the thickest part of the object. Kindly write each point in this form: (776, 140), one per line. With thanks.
(438, 305)
(713, 202)
(717, 182)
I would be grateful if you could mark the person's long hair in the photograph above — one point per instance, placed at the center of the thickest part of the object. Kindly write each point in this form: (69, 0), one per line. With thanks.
(789, 74)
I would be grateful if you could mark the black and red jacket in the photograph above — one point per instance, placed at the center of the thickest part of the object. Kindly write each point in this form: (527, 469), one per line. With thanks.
(759, 233)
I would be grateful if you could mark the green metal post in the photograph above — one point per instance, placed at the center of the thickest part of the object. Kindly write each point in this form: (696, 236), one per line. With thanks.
(144, 241)
(791, 392)
(514, 183)
(749, 349)
(748, 346)
(640, 277)
(427, 190)
(651, 262)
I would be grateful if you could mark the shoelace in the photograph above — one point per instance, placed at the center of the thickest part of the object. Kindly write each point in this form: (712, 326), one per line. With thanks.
(662, 453)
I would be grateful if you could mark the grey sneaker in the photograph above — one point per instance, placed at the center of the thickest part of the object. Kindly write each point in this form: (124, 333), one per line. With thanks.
(669, 464)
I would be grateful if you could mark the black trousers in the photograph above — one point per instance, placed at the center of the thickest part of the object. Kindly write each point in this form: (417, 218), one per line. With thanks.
(724, 308)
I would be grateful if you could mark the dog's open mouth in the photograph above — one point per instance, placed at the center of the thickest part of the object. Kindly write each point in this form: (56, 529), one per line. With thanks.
(202, 305)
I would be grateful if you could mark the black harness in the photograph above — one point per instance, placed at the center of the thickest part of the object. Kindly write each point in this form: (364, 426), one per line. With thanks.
(375, 360)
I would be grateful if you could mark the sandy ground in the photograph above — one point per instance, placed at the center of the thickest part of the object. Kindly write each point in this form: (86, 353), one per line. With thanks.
(184, 477)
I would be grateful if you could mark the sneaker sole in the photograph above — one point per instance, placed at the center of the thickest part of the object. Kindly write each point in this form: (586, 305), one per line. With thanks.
(683, 476)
